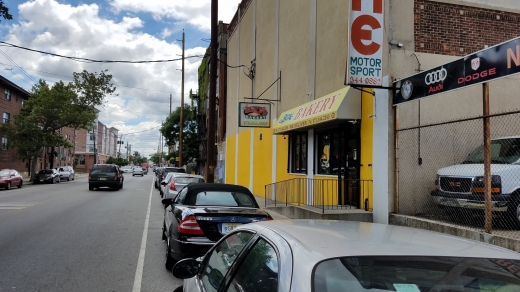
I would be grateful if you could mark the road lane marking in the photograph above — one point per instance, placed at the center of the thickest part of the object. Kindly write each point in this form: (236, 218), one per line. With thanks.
(140, 262)
(16, 206)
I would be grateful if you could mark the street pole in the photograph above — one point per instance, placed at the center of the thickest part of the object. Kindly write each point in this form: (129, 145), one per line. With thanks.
(95, 150)
(181, 126)
(212, 93)
(119, 142)
(488, 221)
(170, 103)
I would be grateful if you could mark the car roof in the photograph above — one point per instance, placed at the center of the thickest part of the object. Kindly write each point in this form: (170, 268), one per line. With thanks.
(323, 239)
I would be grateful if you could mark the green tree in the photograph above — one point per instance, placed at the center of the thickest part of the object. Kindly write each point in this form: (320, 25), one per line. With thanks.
(50, 108)
(170, 131)
(4, 11)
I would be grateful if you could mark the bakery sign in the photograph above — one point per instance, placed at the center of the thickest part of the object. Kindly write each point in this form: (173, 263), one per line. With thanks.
(254, 115)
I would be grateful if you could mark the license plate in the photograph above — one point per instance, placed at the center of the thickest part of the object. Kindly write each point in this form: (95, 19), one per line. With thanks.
(228, 227)
(102, 178)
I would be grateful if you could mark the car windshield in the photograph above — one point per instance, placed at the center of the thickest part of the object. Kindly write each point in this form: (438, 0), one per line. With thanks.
(222, 198)
(45, 171)
(4, 173)
(503, 151)
(188, 180)
(416, 273)
(103, 168)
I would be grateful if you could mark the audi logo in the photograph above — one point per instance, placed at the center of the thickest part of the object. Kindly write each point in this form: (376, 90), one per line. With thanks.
(436, 76)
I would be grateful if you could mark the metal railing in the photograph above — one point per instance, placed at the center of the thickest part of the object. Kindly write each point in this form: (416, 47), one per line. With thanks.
(325, 194)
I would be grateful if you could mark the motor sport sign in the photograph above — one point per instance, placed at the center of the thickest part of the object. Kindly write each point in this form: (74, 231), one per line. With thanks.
(365, 51)
(492, 63)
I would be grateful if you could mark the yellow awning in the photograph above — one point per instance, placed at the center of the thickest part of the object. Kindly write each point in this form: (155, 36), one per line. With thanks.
(331, 107)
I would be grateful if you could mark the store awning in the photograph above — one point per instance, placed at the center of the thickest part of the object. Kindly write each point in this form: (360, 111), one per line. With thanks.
(341, 105)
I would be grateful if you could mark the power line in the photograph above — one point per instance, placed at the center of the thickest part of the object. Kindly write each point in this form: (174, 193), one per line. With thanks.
(78, 59)
(141, 131)
(20, 68)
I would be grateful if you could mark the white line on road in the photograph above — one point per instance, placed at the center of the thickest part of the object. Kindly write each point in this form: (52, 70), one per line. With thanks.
(140, 262)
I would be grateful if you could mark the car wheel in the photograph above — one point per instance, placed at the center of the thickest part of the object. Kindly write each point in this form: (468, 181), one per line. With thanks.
(68, 178)
(90, 188)
(73, 176)
(8, 186)
(169, 260)
(179, 289)
(121, 186)
(20, 184)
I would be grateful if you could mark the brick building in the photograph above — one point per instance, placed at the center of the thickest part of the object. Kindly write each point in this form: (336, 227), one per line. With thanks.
(12, 99)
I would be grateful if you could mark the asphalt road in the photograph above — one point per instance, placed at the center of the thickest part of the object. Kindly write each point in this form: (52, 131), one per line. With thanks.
(63, 237)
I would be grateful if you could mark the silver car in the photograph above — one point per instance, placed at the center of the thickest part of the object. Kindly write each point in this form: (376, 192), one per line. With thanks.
(177, 182)
(137, 171)
(326, 256)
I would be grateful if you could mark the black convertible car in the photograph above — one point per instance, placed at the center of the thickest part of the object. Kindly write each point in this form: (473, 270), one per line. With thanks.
(201, 214)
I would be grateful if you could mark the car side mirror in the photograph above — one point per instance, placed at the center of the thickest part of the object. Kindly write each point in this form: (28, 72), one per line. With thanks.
(167, 202)
(186, 268)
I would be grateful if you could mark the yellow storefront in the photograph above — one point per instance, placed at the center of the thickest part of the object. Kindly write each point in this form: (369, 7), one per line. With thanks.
(319, 153)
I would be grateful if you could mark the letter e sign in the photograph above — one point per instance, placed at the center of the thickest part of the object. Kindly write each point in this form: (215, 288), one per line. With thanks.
(365, 41)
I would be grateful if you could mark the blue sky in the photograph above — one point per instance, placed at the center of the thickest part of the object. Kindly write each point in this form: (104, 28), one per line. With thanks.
(113, 30)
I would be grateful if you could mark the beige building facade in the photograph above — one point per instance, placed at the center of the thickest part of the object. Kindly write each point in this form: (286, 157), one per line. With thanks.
(300, 46)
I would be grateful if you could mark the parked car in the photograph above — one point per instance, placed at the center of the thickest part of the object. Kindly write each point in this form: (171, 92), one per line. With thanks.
(161, 174)
(137, 170)
(47, 176)
(327, 256)
(64, 173)
(71, 170)
(105, 175)
(10, 178)
(165, 181)
(202, 214)
(145, 170)
(126, 168)
(177, 181)
(460, 188)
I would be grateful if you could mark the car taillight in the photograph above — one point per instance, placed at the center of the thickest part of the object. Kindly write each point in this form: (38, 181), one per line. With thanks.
(268, 218)
(90, 176)
(116, 176)
(189, 225)
(172, 186)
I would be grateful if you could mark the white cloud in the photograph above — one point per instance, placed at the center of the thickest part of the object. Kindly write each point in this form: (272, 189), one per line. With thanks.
(51, 26)
(196, 13)
(166, 33)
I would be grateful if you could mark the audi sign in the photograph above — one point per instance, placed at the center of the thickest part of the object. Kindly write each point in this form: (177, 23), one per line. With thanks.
(495, 62)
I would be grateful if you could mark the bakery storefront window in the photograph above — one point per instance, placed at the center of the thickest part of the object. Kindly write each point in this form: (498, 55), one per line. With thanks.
(298, 152)
(329, 146)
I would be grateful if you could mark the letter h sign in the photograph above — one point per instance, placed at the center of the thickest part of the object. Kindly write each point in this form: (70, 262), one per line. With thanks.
(377, 5)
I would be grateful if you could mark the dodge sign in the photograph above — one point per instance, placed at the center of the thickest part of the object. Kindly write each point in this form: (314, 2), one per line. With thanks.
(492, 63)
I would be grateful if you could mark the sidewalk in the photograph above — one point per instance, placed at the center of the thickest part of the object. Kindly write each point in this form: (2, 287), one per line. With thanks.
(276, 216)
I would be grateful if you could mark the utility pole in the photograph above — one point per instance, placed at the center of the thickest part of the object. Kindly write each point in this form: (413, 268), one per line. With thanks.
(170, 103)
(127, 147)
(95, 150)
(210, 175)
(181, 126)
(160, 147)
(119, 142)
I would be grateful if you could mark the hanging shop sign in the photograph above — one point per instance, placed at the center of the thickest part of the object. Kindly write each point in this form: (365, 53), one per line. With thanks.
(365, 51)
(492, 63)
(254, 115)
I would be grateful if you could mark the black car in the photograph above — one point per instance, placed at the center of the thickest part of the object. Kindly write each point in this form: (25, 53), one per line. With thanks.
(161, 174)
(201, 214)
(47, 176)
(105, 175)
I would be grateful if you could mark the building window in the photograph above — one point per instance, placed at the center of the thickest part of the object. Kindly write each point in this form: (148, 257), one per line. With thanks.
(23, 103)
(7, 118)
(7, 94)
(298, 152)
(4, 143)
(82, 160)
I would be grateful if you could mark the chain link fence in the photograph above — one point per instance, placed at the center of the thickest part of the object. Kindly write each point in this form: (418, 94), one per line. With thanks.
(440, 172)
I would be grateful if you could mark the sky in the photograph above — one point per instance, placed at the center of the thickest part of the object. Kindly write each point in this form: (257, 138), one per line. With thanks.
(133, 30)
